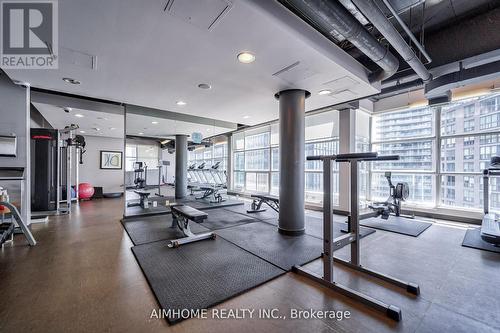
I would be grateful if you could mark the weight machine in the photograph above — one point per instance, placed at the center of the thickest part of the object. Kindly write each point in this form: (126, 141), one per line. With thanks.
(352, 237)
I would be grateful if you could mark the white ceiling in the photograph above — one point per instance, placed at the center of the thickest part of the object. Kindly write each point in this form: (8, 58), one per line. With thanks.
(151, 57)
(167, 128)
(106, 124)
(109, 124)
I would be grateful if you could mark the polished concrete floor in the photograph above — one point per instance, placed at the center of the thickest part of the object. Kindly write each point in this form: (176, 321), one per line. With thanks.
(82, 277)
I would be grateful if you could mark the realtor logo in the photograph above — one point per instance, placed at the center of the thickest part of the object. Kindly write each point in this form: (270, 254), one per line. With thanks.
(29, 38)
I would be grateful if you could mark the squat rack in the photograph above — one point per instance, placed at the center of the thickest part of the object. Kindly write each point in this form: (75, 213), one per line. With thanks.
(352, 237)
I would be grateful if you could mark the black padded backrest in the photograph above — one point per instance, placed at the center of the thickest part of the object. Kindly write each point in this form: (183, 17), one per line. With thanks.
(267, 197)
(190, 213)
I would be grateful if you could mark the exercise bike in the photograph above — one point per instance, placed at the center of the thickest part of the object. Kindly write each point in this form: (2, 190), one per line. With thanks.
(392, 206)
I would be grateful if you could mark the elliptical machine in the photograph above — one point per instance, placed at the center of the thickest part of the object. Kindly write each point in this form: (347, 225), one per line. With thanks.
(397, 194)
(140, 174)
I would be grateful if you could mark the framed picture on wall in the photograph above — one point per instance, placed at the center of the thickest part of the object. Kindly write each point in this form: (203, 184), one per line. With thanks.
(111, 160)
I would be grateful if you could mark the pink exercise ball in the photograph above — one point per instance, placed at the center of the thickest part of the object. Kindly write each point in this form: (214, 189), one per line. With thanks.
(85, 190)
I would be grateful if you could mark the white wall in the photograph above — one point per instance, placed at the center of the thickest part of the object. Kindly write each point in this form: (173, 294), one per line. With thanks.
(170, 172)
(14, 120)
(90, 172)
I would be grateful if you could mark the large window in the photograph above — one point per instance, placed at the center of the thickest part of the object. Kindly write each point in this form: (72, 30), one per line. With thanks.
(256, 156)
(210, 155)
(148, 154)
(467, 150)
(442, 165)
(411, 135)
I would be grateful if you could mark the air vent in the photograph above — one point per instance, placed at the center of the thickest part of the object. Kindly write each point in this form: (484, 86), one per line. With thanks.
(294, 73)
(204, 14)
(344, 82)
(344, 95)
(77, 58)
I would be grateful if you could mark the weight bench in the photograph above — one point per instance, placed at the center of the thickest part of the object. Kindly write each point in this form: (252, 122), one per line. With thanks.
(270, 200)
(181, 215)
(144, 201)
(208, 191)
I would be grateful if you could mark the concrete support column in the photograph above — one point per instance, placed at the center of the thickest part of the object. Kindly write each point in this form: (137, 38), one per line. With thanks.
(181, 159)
(347, 144)
(292, 160)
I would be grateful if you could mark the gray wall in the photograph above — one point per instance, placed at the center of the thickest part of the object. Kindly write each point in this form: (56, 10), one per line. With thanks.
(90, 172)
(14, 118)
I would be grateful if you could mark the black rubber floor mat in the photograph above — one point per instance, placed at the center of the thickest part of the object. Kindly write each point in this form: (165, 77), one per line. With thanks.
(203, 204)
(264, 240)
(399, 225)
(473, 239)
(269, 213)
(201, 274)
(149, 229)
(132, 212)
(221, 218)
(314, 227)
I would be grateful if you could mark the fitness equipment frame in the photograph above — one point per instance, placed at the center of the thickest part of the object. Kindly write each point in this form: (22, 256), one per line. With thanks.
(259, 199)
(181, 215)
(392, 205)
(143, 200)
(140, 175)
(490, 227)
(160, 167)
(352, 238)
(13, 174)
(69, 144)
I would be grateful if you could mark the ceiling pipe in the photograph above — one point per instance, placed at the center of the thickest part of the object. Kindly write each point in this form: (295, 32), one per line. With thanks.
(407, 30)
(373, 13)
(330, 15)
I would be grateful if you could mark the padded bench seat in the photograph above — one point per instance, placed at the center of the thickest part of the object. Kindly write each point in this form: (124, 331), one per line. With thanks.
(266, 197)
(270, 200)
(182, 215)
(142, 193)
(190, 213)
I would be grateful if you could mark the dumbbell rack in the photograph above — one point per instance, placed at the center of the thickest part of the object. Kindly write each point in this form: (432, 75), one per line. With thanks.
(352, 237)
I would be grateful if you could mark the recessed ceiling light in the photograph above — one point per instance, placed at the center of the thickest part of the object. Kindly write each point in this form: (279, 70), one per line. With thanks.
(246, 117)
(324, 92)
(96, 129)
(83, 132)
(140, 133)
(71, 80)
(154, 122)
(204, 86)
(246, 57)
(181, 103)
(67, 109)
(79, 115)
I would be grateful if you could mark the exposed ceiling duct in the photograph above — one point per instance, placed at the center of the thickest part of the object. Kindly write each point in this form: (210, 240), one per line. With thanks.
(330, 17)
(373, 13)
(444, 84)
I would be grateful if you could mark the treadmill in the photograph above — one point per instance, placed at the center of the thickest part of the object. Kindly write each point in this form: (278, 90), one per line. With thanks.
(490, 228)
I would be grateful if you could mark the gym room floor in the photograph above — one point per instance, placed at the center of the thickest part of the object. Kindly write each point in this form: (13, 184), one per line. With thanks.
(82, 276)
